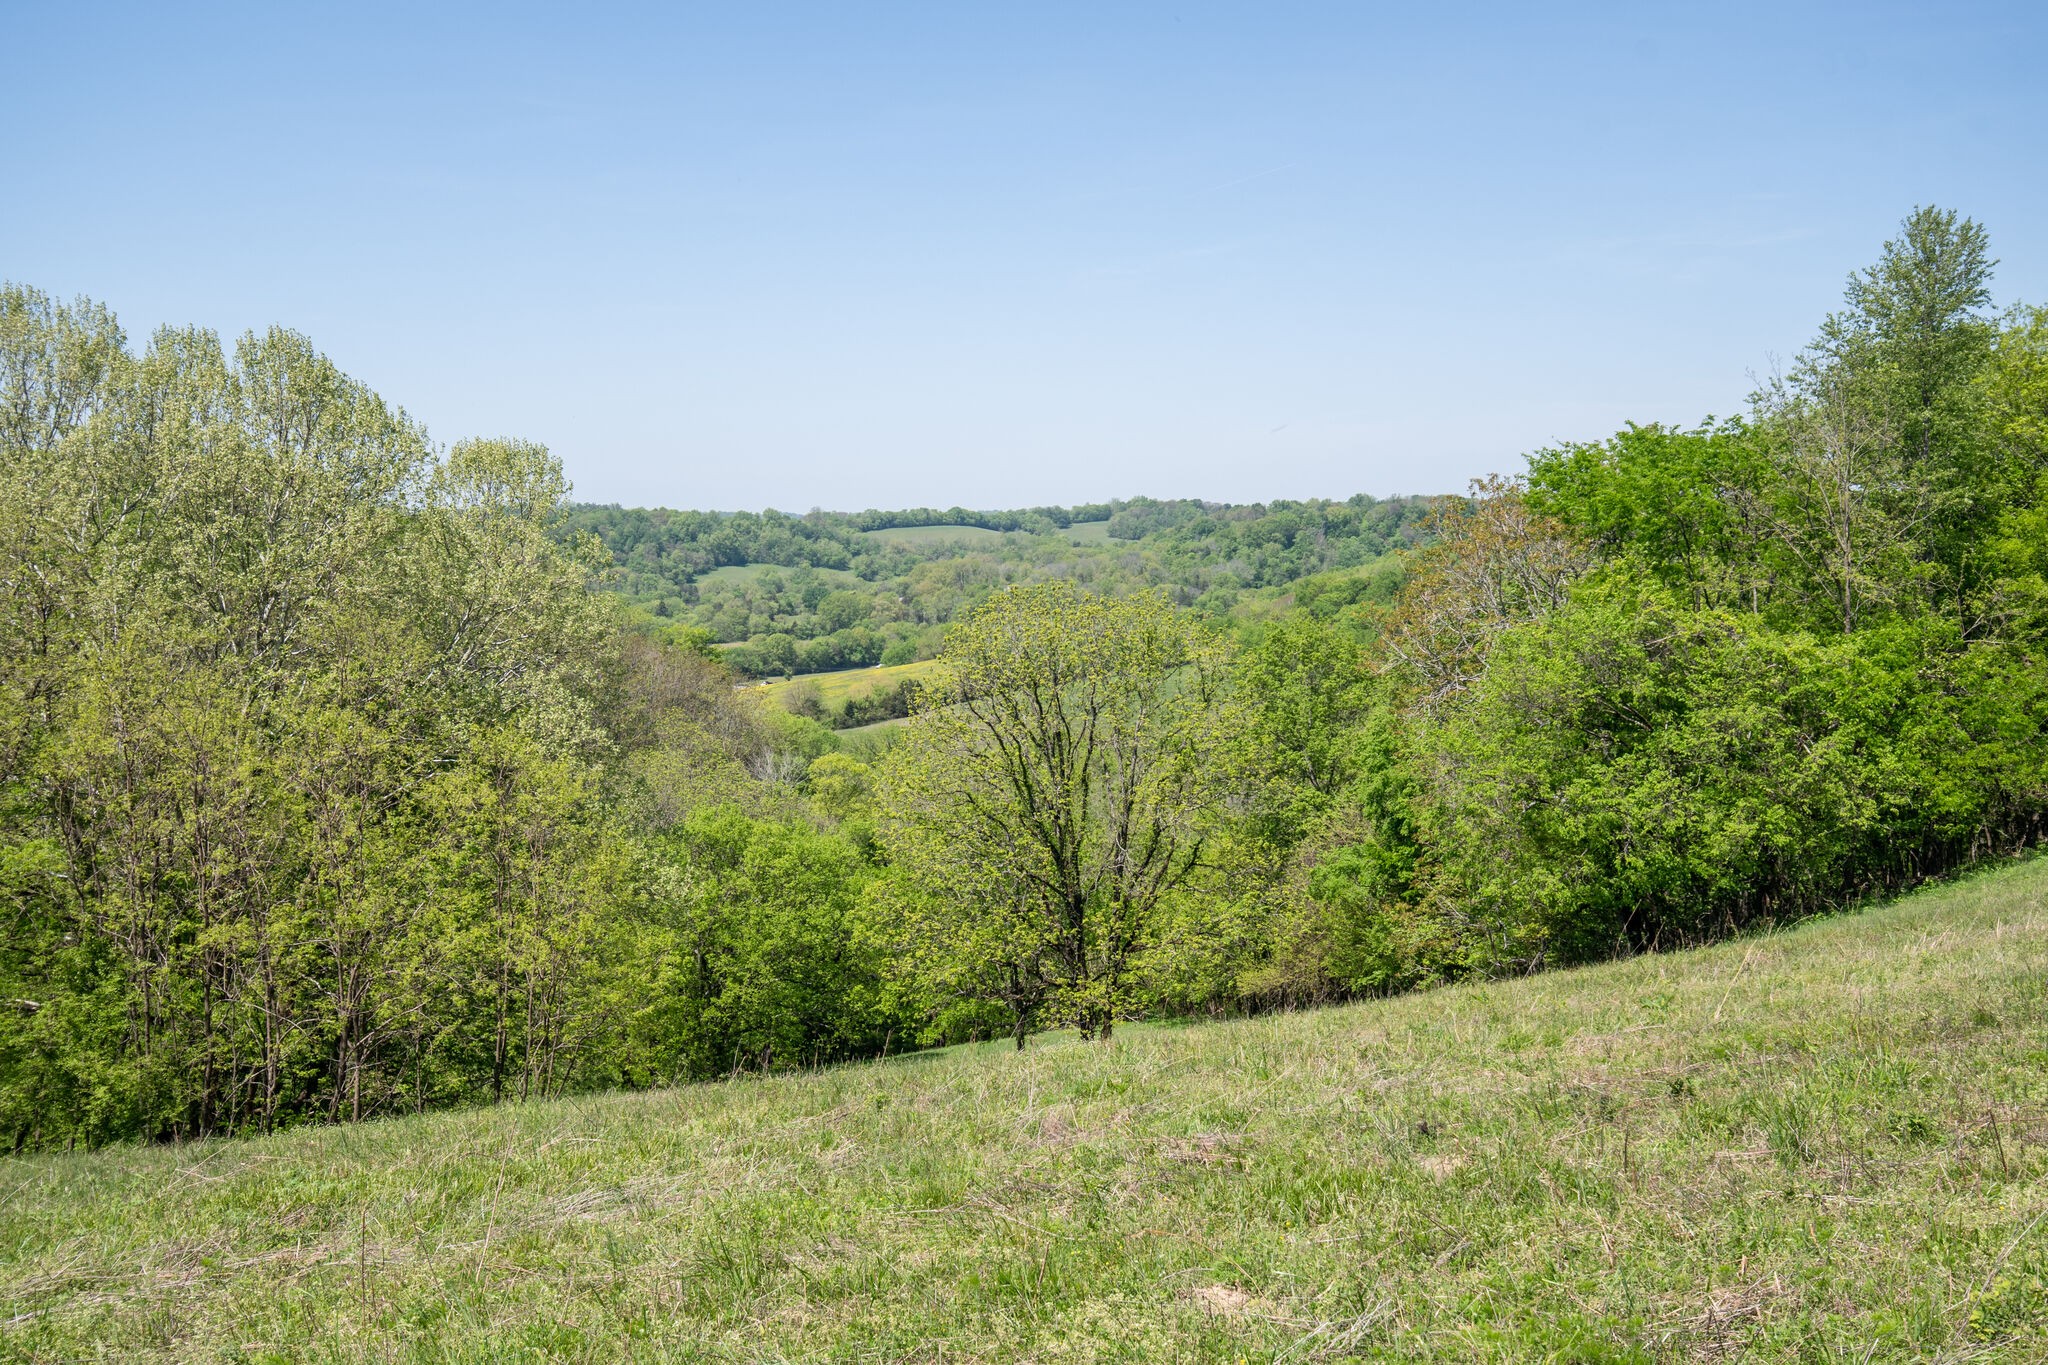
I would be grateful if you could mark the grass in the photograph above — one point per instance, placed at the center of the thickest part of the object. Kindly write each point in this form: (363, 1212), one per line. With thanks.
(1089, 532)
(1825, 1144)
(847, 682)
(922, 536)
(869, 743)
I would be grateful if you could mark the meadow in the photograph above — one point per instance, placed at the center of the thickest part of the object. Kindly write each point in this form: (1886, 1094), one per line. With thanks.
(1089, 532)
(846, 682)
(418, 947)
(1825, 1143)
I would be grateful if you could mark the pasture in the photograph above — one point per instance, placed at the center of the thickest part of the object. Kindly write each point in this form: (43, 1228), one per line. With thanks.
(1827, 1143)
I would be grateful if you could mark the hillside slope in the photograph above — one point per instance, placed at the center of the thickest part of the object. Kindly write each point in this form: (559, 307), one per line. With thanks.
(1824, 1144)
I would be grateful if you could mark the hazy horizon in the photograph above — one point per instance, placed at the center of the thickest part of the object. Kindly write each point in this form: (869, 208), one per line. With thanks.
(580, 499)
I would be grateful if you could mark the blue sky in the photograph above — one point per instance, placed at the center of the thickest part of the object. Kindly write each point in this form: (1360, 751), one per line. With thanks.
(882, 255)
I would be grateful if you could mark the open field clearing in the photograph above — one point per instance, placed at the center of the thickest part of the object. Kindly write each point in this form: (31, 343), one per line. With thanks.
(1089, 532)
(1823, 1144)
(869, 742)
(847, 682)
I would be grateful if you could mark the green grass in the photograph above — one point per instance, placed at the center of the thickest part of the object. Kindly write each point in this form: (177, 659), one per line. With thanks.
(1089, 532)
(1825, 1144)
(937, 535)
(847, 682)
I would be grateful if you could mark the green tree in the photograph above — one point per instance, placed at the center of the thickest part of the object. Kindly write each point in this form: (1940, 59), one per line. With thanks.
(840, 609)
(765, 967)
(304, 746)
(1495, 561)
(1063, 775)
(1308, 685)
(1885, 482)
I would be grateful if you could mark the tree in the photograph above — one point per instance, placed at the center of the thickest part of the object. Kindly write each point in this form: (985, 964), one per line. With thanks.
(1660, 496)
(1839, 502)
(1915, 331)
(303, 784)
(1308, 685)
(1062, 776)
(765, 969)
(1495, 561)
(1886, 434)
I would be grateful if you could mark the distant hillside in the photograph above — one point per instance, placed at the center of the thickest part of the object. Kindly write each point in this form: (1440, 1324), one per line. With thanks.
(1824, 1144)
(895, 579)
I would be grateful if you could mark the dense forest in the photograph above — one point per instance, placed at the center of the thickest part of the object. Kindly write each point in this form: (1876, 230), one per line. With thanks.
(344, 774)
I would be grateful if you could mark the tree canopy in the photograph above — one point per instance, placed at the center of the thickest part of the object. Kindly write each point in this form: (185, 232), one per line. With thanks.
(345, 774)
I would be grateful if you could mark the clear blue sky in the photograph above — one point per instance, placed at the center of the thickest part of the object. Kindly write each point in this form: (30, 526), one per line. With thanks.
(746, 255)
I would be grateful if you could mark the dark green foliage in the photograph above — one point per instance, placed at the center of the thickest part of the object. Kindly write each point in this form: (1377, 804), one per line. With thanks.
(1805, 665)
(1268, 544)
(1682, 682)
(671, 548)
(765, 966)
(1629, 773)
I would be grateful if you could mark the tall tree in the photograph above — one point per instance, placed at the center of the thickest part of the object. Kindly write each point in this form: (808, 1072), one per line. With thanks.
(1884, 441)
(257, 636)
(1062, 776)
(1495, 561)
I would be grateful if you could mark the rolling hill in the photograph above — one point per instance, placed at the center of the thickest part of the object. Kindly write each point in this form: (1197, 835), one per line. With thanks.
(1827, 1143)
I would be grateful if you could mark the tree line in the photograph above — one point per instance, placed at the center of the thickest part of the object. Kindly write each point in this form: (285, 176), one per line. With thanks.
(337, 783)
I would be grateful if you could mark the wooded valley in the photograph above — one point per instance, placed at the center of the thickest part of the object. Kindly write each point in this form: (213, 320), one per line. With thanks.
(345, 774)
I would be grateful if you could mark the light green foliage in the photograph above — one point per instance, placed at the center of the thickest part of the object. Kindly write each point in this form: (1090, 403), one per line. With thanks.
(1821, 1144)
(1495, 563)
(2015, 388)
(300, 746)
(1656, 494)
(1064, 775)
(1332, 908)
(1309, 688)
(839, 784)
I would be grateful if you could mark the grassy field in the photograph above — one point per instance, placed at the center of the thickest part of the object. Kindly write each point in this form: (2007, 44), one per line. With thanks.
(846, 682)
(1825, 1144)
(937, 535)
(1089, 532)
